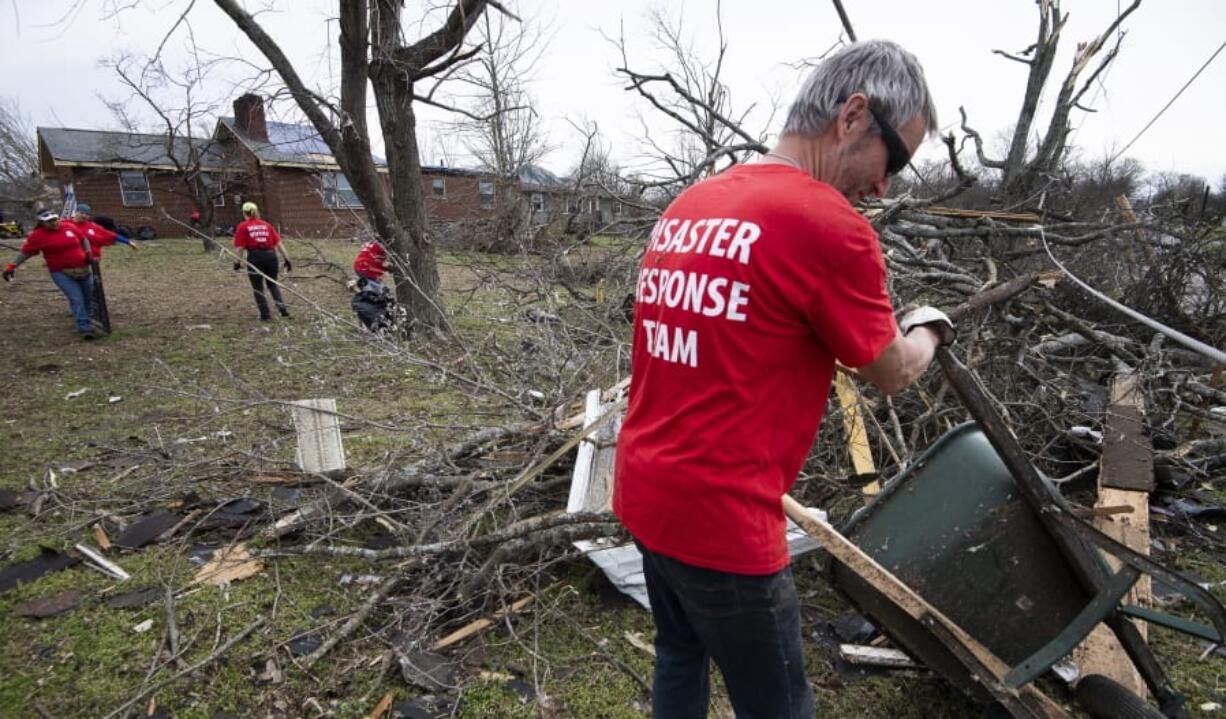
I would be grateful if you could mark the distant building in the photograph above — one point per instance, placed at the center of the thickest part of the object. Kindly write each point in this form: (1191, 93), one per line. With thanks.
(142, 179)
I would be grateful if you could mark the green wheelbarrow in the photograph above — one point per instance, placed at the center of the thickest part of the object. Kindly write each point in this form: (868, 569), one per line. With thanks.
(974, 564)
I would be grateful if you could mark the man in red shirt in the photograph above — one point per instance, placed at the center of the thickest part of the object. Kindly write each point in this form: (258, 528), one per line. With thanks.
(754, 283)
(64, 249)
(97, 235)
(258, 242)
(370, 263)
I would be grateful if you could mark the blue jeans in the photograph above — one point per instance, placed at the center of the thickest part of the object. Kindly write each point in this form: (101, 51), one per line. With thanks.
(750, 626)
(80, 294)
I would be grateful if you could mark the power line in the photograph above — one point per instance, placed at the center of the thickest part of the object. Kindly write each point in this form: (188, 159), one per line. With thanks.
(1172, 101)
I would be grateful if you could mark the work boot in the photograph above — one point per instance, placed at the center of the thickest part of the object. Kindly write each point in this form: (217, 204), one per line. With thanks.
(88, 336)
(284, 312)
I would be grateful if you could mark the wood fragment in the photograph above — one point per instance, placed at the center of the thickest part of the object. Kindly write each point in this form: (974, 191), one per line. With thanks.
(480, 625)
(877, 657)
(381, 708)
(100, 536)
(103, 563)
(1101, 652)
(229, 564)
(853, 426)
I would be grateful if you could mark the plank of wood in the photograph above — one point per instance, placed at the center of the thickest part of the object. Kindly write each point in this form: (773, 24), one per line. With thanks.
(1101, 652)
(480, 625)
(877, 657)
(1128, 455)
(867, 568)
(320, 448)
(853, 426)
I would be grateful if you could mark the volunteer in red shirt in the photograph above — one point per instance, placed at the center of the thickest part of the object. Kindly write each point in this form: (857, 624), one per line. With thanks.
(97, 235)
(370, 264)
(259, 244)
(754, 283)
(65, 251)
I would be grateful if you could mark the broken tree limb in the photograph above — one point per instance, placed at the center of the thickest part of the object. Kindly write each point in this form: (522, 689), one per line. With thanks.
(358, 618)
(481, 625)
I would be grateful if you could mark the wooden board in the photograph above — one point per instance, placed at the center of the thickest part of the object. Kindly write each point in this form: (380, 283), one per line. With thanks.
(320, 448)
(1101, 652)
(853, 427)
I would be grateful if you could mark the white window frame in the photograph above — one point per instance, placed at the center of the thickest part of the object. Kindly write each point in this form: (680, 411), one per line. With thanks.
(573, 205)
(593, 205)
(438, 187)
(485, 199)
(131, 197)
(538, 201)
(334, 192)
(619, 207)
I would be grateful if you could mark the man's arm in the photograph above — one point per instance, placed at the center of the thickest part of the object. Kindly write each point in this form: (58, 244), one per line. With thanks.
(903, 360)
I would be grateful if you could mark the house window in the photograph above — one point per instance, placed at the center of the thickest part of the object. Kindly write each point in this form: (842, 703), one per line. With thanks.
(593, 205)
(572, 205)
(619, 207)
(538, 202)
(135, 189)
(485, 193)
(438, 187)
(337, 192)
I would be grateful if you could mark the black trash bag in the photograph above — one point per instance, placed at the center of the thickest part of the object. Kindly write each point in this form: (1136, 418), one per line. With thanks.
(373, 305)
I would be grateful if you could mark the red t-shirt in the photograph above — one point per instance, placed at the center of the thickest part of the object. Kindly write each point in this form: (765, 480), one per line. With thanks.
(256, 234)
(754, 282)
(371, 261)
(97, 235)
(61, 248)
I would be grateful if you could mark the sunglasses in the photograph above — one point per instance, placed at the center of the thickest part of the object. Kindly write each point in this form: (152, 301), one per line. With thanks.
(897, 154)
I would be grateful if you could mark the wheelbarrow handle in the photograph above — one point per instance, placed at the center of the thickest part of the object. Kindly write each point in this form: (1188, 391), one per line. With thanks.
(1195, 593)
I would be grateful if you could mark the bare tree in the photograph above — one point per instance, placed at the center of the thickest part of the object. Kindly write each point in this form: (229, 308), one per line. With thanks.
(179, 99)
(20, 183)
(691, 92)
(1026, 168)
(501, 128)
(374, 53)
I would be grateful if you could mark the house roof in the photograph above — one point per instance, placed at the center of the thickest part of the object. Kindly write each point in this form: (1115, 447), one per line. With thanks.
(537, 177)
(101, 148)
(289, 144)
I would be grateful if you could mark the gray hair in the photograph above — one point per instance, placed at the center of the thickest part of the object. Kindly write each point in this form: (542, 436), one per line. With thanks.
(891, 77)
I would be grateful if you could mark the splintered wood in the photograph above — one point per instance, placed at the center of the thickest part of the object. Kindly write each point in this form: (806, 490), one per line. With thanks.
(591, 487)
(1127, 461)
(320, 449)
(853, 427)
(228, 564)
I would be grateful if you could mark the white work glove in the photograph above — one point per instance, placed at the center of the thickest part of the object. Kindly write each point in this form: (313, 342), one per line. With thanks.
(936, 320)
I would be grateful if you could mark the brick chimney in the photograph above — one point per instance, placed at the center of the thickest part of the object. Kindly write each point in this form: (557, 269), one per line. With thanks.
(249, 116)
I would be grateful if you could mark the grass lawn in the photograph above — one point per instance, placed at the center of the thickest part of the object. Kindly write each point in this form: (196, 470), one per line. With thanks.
(182, 402)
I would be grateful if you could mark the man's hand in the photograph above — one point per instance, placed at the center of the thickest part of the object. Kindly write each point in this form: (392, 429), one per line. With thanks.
(9, 270)
(933, 319)
(288, 267)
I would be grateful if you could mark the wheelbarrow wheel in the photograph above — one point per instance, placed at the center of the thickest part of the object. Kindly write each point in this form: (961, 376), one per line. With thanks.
(1103, 698)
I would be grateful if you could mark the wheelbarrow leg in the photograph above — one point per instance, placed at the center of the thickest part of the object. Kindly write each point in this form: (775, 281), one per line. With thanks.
(1170, 701)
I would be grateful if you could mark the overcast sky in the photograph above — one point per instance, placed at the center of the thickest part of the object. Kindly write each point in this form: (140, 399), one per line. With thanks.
(51, 64)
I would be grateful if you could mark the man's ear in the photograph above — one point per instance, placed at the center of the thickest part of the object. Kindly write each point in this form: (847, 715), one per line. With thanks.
(854, 117)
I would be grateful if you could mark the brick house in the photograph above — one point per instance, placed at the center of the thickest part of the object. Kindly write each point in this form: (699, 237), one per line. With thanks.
(140, 179)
